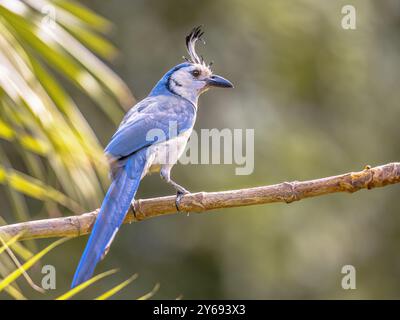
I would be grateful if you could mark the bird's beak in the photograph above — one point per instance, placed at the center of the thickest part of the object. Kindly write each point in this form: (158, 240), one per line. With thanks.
(218, 81)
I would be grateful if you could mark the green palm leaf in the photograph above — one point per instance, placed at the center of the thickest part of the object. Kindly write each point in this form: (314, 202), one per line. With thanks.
(48, 151)
(8, 284)
(28, 264)
(60, 159)
(117, 288)
(69, 294)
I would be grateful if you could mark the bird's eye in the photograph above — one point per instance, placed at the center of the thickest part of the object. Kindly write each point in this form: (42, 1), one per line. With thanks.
(195, 73)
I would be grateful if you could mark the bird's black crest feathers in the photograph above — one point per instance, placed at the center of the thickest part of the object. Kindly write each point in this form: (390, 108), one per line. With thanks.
(191, 40)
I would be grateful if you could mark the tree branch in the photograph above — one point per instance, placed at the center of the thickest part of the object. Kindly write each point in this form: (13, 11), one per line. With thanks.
(203, 201)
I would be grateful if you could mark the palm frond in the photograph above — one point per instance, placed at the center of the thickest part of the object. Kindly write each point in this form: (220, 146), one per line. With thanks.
(82, 286)
(150, 294)
(8, 284)
(41, 40)
(117, 288)
(28, 264)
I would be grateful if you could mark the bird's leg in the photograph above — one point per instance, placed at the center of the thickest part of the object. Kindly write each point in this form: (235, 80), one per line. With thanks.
(165, 174)
(179, 189)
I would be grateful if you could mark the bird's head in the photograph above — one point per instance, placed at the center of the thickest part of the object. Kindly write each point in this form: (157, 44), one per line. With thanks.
(193, 77)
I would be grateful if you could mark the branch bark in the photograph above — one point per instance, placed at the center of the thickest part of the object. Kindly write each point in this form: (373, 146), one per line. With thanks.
(203, 201)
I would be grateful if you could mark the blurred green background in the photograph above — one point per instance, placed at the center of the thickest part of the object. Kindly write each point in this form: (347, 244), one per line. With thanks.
(322, 101)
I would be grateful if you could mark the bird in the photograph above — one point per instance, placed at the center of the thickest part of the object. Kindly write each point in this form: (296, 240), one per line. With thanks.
(133, 153)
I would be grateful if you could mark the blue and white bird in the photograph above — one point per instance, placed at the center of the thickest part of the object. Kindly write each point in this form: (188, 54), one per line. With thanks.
(134, 153)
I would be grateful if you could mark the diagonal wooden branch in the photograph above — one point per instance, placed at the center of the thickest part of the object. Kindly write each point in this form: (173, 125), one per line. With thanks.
(203, 201)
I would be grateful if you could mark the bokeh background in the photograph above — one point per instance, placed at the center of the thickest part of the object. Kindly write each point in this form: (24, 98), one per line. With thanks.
(322, 101)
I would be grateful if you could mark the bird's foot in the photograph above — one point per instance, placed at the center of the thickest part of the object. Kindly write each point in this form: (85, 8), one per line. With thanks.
(133, 209)
(179, 195)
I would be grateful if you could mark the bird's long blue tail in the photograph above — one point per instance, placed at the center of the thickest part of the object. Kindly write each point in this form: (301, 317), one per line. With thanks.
(112, 213)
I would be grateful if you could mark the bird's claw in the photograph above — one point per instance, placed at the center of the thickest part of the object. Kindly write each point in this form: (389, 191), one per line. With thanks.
(133, 210)
(179, 195)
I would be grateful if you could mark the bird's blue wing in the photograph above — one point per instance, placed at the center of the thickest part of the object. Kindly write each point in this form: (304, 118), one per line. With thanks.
(154, 113)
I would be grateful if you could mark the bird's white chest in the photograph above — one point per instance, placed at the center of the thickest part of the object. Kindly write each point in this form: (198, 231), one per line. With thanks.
(166, 153)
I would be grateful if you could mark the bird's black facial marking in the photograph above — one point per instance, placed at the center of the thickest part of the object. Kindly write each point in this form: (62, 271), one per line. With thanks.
(176, 83)
(195, 73)
(170, 88)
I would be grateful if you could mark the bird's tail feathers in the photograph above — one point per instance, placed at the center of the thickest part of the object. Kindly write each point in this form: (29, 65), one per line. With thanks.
(112, 213)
